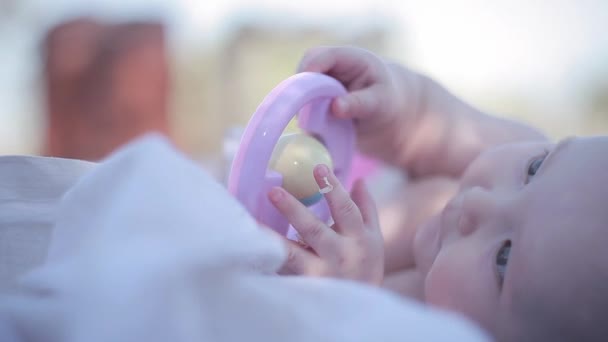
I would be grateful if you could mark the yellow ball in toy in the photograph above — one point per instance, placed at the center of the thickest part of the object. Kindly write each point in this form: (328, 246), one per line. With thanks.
(295, 157)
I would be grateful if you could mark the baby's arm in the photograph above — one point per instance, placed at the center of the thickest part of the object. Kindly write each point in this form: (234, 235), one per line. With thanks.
(442, 134)
(407, 119)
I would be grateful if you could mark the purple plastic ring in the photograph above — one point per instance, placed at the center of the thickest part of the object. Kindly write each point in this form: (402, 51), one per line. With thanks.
(309, 96)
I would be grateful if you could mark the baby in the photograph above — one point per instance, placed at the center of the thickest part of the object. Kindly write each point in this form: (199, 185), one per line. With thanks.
(521, 246)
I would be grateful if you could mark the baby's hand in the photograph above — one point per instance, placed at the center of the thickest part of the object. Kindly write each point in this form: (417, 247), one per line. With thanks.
(352, 248)
(407, 119)
(376, 97)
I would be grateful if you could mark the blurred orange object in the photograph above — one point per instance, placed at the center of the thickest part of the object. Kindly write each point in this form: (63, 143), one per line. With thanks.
(105, 85)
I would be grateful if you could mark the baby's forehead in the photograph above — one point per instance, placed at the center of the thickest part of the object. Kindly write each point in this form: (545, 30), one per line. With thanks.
(576, 167)
(563, 238)
(591, 150)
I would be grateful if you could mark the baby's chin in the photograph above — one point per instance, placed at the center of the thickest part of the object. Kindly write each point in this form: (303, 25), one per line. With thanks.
(427, 245)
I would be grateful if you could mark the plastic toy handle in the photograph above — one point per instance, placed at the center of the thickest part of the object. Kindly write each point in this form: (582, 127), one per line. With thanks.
(310, 94)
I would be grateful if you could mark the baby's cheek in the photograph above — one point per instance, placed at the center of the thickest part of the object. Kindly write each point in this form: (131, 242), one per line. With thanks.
(454, 284)
(443, 285)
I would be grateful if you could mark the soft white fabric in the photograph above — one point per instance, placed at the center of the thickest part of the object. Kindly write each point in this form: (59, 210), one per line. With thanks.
(148, 247)
(30, 190)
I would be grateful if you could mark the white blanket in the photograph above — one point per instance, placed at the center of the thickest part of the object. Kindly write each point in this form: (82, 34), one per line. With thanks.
(148, 247)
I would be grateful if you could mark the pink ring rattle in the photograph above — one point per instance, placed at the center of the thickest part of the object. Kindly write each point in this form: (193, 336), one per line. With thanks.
(309, 95)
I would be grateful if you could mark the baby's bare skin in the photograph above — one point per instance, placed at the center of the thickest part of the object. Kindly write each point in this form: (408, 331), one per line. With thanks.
(525, 219)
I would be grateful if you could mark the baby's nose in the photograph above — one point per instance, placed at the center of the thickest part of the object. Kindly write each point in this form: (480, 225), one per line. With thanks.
(478, 205)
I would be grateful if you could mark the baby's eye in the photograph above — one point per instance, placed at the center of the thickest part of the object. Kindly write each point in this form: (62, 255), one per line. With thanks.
(533, 166)
(502, 258)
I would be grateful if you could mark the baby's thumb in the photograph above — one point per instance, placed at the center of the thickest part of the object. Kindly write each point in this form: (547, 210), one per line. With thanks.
(365, 202)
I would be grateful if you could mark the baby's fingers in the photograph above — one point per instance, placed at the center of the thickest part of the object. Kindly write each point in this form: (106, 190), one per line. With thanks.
(300, 261)
(366, 205)
(344, 211)
(323, 59)
(316, 234)
(359, 104)
(345, 63)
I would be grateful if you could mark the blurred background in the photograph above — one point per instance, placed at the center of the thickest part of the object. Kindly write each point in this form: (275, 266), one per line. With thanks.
(79, 78)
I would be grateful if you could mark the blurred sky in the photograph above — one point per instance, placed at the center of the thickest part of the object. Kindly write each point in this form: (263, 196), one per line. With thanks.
(545, 50)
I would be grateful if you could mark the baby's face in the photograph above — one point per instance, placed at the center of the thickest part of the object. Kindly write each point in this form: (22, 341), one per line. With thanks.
(528, 217)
